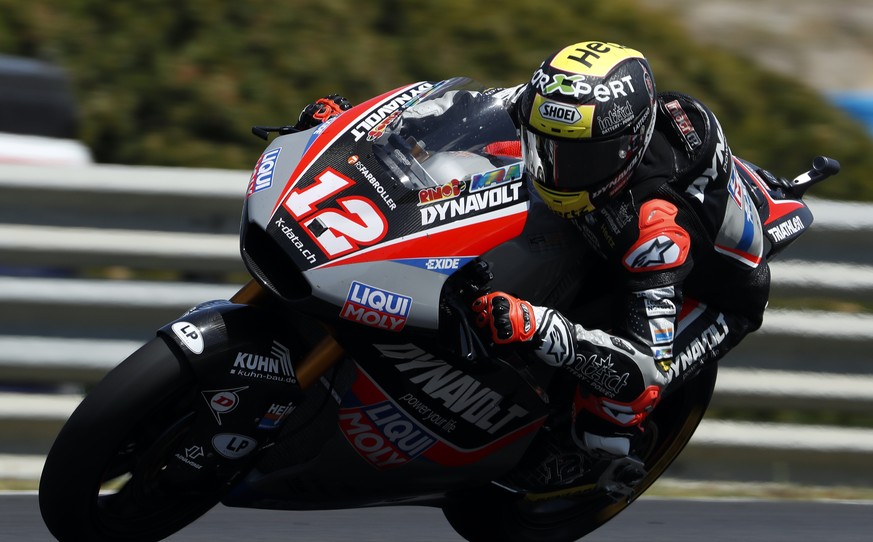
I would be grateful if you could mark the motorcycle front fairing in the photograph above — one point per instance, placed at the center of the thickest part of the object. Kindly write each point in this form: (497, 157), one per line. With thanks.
(384, 203)
(363, 222)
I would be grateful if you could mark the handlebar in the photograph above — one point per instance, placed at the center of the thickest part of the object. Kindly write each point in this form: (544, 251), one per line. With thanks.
(822, 168)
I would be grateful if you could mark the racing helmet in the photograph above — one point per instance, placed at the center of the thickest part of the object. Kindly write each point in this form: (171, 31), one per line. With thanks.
(586, 119)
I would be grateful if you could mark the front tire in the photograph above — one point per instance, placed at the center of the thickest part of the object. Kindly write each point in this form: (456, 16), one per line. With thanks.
(102, 477)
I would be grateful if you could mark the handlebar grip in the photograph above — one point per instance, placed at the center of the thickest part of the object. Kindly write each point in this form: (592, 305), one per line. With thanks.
(825, 166)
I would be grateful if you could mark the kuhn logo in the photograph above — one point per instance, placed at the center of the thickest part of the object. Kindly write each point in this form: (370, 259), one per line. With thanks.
(261, 367)
(373, 307)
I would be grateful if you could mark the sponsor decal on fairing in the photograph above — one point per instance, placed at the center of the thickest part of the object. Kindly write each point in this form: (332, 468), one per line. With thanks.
(355, 161)
(222, 401)
(375, 307)
(337, 127)
(791, 227)
(490, 179)
(275, 415)
(262, 176)
(449, 190)
(421, 413)
(233, 446)
(459, 392)
(384, 435)
(472, 203)
(292, 236)
(277, 367)
(192, 454)
(190, 336)
(446, 266)
(373, 125)
(337, 231)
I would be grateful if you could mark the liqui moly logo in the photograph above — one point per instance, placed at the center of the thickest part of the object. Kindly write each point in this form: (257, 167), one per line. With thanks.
(383, 435)
(377, 308)
(262, 176)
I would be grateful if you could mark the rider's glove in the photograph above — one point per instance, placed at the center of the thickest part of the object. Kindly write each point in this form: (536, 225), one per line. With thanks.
(322, 110)
(511, 320)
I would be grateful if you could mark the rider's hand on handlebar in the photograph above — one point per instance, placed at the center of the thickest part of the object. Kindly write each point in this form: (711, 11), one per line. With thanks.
(512, 320)
(322, 110)
(509, 319)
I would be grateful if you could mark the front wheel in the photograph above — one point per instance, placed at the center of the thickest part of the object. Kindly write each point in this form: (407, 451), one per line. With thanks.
(102, 479)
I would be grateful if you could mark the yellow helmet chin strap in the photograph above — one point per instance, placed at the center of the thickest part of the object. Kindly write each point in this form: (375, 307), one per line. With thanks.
(565, 204)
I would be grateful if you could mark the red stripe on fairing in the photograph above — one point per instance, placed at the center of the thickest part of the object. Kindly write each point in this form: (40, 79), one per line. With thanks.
(446, 454)
(336, 128)
(750, 259)
(462, 238)
(778, 208)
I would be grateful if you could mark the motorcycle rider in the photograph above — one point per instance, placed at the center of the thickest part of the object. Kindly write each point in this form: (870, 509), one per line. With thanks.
(649, 181)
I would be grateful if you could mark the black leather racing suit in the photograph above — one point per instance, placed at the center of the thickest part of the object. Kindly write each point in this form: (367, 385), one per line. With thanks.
(682, 255)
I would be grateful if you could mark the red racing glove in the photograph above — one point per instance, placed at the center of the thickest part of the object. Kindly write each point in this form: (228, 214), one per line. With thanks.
(509, 318)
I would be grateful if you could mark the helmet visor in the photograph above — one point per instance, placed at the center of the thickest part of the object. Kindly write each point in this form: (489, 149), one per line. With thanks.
(573, 165)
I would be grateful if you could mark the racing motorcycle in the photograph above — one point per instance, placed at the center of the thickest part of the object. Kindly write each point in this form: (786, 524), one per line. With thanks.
(346, 373)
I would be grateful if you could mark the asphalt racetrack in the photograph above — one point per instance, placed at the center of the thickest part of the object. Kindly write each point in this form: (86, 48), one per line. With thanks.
(650, 519)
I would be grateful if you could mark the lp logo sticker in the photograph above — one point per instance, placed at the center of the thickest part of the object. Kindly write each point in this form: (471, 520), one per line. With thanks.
(190, 336)
(233, 446)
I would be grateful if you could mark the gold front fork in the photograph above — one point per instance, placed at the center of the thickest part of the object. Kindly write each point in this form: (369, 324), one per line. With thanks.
(318, 361)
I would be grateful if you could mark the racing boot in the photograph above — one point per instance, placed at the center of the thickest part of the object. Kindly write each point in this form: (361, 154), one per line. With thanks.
(553, 462)
(612, 446)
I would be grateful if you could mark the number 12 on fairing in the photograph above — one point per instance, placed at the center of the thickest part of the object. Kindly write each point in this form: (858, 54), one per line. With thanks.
(358, 222)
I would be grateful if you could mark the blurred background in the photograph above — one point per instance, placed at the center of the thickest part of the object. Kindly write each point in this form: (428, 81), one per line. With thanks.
(122, 211)
(180, 83)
